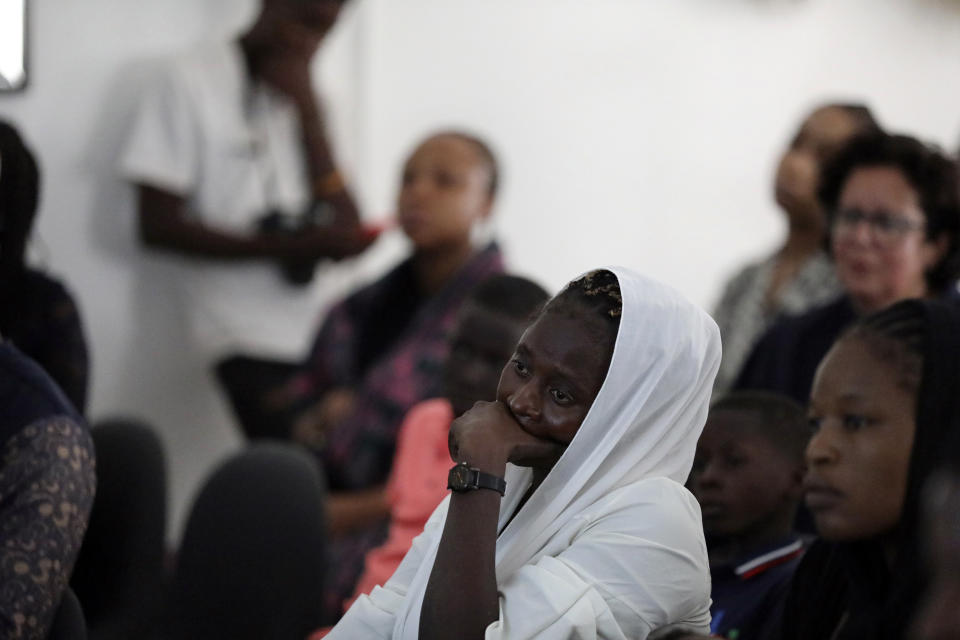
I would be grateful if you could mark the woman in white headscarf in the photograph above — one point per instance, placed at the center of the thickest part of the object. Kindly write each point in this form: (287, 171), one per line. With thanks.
(593, 433)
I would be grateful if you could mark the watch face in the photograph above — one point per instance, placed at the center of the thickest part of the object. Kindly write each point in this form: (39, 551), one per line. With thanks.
(459, 479)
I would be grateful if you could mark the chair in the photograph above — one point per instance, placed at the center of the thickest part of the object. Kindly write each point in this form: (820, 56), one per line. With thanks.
(119, 574)
(68, 621)
(251, 562)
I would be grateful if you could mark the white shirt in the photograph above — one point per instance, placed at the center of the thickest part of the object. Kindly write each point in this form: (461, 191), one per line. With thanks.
(235, 152)
(628, 565)
(611, 544)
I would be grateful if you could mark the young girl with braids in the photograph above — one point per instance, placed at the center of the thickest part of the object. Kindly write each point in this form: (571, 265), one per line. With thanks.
(886, 406)
(568, 516)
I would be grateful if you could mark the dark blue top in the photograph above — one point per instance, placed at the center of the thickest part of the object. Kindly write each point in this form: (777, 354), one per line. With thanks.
(27, 393)
(748, 594)
(41, 318)
(786, 358)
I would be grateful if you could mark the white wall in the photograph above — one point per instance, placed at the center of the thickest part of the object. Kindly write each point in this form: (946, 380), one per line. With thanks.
(640, 132)
(645, 132)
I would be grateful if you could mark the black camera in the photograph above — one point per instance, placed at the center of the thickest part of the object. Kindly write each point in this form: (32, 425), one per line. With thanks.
(318, 214)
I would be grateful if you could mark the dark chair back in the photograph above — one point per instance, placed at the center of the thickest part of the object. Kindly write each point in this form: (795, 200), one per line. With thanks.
(251, 563)
(119, 572)
(68, 621)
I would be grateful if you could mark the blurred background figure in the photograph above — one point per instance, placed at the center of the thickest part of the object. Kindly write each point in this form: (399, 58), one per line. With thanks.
(939, 615)
(37, 312)
(893, 206)
(799, 275)
(382, 350)
(747, 477)
(47, 482)
(233, 169)
(488, 328)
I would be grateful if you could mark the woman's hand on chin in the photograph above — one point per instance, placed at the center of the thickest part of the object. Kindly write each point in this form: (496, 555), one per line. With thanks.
(488, 436)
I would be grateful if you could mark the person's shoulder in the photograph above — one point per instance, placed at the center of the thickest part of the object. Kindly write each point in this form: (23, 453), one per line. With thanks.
(822, 568)
(399, 276)
(817, 594)
(656, 489)
(199, 69)
(203, 54)
(837, 312)
(747, 274)
(27, 393)
(655, 508)
(490, 259)
(951, 295)
(46, 286)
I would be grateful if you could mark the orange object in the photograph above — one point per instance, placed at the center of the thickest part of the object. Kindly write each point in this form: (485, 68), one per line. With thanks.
(418, 483)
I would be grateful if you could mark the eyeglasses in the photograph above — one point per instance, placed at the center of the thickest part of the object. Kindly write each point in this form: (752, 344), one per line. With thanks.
(886, 228)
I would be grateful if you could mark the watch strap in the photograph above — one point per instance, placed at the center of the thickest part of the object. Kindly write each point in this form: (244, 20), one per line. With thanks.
(470, 478)
(489, 481)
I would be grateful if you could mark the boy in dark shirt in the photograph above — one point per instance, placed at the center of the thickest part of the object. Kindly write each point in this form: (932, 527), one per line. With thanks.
(747, 477)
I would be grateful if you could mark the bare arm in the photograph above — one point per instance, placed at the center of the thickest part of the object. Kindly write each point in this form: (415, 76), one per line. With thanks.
(350, 510)
(164, 224)
(289, 73)
(326, 182)
(462, 591)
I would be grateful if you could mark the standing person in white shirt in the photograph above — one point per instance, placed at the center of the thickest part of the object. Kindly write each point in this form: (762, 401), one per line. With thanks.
(228, 143)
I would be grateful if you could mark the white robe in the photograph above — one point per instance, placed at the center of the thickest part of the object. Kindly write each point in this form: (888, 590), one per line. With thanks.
(611, 544)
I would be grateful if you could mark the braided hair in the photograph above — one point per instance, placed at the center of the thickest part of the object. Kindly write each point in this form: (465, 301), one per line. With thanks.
(921, 340)
(597, 293)
(896, 335)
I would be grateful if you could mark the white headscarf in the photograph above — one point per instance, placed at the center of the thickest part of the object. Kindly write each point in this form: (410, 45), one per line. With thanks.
(644, 423)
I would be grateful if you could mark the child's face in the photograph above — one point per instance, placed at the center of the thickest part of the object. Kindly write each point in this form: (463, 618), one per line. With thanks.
(858, 460)
(445, 192)
(745, 485)
(481, 343)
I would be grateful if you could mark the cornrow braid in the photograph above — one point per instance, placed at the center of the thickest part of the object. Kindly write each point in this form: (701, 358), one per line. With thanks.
(898, 335)
(599, 291)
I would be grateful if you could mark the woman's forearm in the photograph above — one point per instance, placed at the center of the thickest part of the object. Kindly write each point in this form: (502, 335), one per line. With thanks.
(461, 598)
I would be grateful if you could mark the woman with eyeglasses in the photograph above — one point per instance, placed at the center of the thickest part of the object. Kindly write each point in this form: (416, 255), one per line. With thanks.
(893, 207)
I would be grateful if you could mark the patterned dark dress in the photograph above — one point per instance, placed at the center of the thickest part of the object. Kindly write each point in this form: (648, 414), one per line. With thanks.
(388, 343)
(47, 485)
